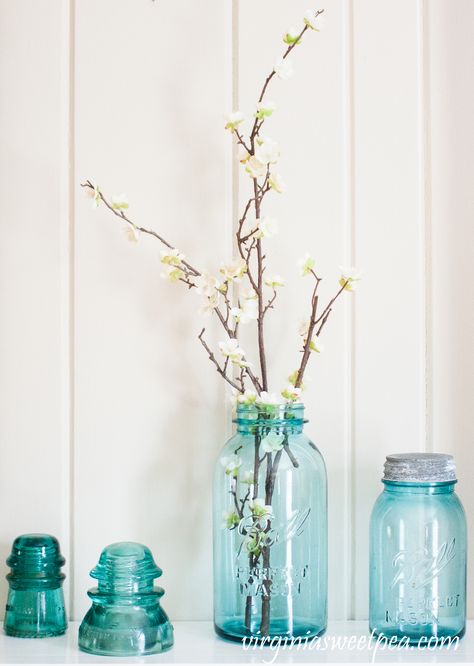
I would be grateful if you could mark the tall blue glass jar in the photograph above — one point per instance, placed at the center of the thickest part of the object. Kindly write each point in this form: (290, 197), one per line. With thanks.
(418, 547)
(270, 528)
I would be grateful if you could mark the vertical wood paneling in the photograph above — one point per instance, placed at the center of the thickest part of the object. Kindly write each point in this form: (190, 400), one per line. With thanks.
(347, 611)
(451, 108)
(308, 125)
(33, 335)
(389, 315)
(153, 81)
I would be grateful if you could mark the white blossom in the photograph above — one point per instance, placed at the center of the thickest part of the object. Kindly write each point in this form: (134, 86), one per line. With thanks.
(291, 393)
(315, 344)
(210, 303)
(264, 109)
(231, 465)
(266, 398)
(291, 36)
(132, 232)
(267, 227)
(232, 350)
(275, 281)
(276, 183)
(234, 270)
(171, 273)
(94, 194)
(312, 21)
(349, 276)
(306, 264)
(267, 150)
(303, 328)
(272, 442)
(283, 68)
(230, 519)
(233, 120)
(255, 168)
(119, 201)
(259, 509)
(248, 397)
(173, 257)
(247, 477)
(247, 312)
(248, 294)
(206, 284)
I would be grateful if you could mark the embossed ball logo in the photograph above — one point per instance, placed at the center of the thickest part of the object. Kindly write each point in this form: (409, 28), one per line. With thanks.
(420, 567)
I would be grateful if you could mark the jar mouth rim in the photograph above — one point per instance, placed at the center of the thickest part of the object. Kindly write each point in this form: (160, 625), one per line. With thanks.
(270, 422)
(294, 406)
(412, 483)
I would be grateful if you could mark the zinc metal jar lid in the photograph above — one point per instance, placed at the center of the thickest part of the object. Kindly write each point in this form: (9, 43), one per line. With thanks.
(420, 468)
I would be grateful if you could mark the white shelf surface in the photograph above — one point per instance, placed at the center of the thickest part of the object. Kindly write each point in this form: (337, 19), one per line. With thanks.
(196, 643)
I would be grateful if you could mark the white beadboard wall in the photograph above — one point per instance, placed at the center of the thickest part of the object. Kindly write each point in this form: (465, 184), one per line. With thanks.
(111, 415)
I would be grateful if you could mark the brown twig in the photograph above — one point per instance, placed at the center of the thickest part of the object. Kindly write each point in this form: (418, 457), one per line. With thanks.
(314, 320)
(213, 359)
(121, 215)
(257, 125)
(269, 305)
(260, 327)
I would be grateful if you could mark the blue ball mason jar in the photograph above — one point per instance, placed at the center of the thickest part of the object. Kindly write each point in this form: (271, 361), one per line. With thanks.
(270, 528)
(418, 545)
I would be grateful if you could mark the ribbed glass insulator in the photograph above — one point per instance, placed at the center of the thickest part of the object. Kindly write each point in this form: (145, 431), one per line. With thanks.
(35, 605)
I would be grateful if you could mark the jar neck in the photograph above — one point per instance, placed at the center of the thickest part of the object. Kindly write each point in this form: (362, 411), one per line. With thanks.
(144, 596)
(35, 582)
(260, 420)
(411, 488)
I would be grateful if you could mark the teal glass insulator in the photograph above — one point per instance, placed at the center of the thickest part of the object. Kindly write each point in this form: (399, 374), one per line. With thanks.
(126, 618)
(270, 528)
(35, 604)
(418, 545)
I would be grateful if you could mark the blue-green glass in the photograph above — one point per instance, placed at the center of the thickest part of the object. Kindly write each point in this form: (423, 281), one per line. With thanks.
(126, 618)
(418, 562)
(35, 604)
(270, 528)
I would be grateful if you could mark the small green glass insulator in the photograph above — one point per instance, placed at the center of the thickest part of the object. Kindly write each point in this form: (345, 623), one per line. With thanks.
(126, 618)
(35, 604)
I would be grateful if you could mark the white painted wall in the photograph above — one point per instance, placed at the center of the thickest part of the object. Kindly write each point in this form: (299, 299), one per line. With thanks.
(111, 415)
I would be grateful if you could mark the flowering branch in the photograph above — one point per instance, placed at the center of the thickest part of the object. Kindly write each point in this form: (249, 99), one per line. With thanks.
(181, 270)
(293, 42)
(221, 371)
(260, 154)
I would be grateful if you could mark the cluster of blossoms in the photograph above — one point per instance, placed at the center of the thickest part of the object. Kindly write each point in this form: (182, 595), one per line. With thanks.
(260, 164)
(231, 350)
(172, 261)
(260, 512)
(266, 400)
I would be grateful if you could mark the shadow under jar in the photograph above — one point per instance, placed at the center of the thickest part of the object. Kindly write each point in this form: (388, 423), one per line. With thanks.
(418, 546)
(270, 528)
